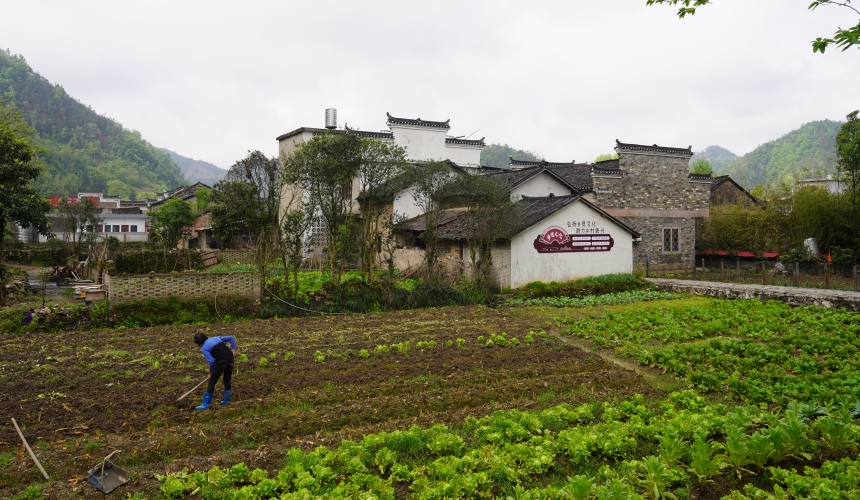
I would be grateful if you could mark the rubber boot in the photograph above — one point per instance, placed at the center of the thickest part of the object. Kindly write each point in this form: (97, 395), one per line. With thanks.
(226, 399)
(207, 398)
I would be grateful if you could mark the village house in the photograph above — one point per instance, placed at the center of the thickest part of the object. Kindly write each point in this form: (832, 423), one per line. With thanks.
(647, 195)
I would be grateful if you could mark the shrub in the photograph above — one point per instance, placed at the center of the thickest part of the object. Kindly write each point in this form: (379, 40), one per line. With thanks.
(594, 285)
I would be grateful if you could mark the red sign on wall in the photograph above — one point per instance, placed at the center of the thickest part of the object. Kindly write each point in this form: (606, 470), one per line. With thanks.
(556, 239)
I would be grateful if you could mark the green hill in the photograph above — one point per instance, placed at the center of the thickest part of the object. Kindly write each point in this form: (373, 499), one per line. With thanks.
(720, 158)
(498, 155)
(82, 149)
(809, 151)
(197, 170)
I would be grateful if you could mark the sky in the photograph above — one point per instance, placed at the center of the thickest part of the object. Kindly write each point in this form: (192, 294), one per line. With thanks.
(214, 79)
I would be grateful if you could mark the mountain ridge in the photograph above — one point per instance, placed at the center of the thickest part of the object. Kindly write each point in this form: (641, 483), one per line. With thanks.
(197, 170)
(83, 150)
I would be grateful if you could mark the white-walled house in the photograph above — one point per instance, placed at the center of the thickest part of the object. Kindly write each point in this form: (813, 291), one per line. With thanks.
(126, 226)
(555, 238)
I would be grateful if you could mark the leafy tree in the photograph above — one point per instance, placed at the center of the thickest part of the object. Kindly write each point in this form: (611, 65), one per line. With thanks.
(79, 220)
(381, 163)
(19, 169)
(499, 155)
(170, 223)
(203, 198)
(488, 217)
(430, 184)
(848, 162)
(701, 166)
(295, 223)
(262, 201)
(842, 38)
(323, 169)
(607, 156)
(230, 202)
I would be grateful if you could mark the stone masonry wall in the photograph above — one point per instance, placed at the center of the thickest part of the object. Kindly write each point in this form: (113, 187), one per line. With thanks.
(652, 183)
(649, 251)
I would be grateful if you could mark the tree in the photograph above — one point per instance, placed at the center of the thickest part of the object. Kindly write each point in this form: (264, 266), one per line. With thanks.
(381, 163)
(78, 221)
(845, 38)
(19, 169)
(499, 155)
(323, 170)
(229, 206)
(701, 166)
(170, 222)
(604, 157)
(429, 186)
(848, 163)
(488, 217)
(262, 202)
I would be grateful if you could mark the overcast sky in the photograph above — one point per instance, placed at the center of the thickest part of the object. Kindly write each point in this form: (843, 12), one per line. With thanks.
(214, 79)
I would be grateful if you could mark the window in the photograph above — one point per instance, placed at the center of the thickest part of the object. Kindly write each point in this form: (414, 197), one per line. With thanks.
(671, 243)
(90, 229)
(346, 192)
(133, 228)
(107, 228)
(116, 228)
(124, 228)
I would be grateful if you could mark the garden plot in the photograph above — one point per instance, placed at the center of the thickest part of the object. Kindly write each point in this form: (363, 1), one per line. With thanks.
(301, 382)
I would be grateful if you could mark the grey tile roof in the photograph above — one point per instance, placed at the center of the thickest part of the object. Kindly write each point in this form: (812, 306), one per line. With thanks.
(465, 142)
(417, 122)
(527, 212)
(654, 148)
(577, 175)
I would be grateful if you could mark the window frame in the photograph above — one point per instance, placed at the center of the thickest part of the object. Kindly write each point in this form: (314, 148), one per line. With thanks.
(677, 247)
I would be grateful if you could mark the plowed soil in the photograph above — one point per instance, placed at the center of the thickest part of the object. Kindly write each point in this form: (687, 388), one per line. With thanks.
(81, 395)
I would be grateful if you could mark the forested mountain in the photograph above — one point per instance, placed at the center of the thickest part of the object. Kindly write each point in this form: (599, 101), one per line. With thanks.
(809, 151)
(82, 149)
(498, 155)
(720, 158)
(197, 170)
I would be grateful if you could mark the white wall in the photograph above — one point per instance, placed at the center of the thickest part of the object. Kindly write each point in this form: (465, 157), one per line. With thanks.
(528, 265)
(463, 155)
(404, 204)
(421, 143)
(542, 184)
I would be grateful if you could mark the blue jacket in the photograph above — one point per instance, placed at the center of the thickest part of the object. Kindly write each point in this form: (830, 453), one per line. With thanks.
(211, 343)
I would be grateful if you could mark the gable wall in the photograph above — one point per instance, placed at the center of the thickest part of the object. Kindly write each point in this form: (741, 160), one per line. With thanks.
(542, 184)
(527, 265)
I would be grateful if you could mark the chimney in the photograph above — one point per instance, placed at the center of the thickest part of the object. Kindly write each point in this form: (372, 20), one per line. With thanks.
(331, 118)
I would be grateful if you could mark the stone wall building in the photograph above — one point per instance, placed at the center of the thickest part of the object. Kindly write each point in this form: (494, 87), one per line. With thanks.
(725, 191)
(651, 189)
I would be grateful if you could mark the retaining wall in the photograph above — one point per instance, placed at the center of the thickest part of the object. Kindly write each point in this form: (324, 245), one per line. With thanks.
(185, 286)
(790, 295)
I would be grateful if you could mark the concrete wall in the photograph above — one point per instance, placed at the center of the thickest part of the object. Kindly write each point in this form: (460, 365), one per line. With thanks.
(542, 184)
(421, 143)
(463, 155)
(527, 265)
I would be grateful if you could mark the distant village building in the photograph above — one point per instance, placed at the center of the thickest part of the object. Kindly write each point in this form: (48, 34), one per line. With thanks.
(647, 198)
(833, 186)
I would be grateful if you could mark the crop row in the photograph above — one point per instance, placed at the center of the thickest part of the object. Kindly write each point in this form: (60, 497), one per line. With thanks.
(608, 299)
(623, 451)
(762, 352)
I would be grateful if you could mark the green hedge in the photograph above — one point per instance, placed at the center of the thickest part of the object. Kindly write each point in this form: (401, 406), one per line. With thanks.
(593, 285)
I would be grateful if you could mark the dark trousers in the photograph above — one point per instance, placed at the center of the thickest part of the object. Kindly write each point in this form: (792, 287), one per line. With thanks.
(221, 367)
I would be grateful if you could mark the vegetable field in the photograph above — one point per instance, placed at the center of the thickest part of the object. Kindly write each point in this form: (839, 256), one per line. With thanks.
(459, 402)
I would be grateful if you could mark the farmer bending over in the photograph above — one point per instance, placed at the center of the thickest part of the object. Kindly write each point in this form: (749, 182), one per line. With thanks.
(220, 359)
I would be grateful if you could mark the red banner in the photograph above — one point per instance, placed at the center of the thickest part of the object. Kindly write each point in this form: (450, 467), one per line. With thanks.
(556, 239)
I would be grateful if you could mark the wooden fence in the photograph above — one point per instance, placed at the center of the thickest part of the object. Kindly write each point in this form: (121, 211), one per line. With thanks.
(185, 286)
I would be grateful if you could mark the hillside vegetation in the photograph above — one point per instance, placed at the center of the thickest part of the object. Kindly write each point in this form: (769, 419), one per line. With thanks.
(809, 151)
(720, 158)
(82, 149)
(498, 155)
(197, 170)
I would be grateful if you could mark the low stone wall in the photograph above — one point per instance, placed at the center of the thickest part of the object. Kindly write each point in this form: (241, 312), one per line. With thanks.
(184, 286)
(235, 256)
(790, 295)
